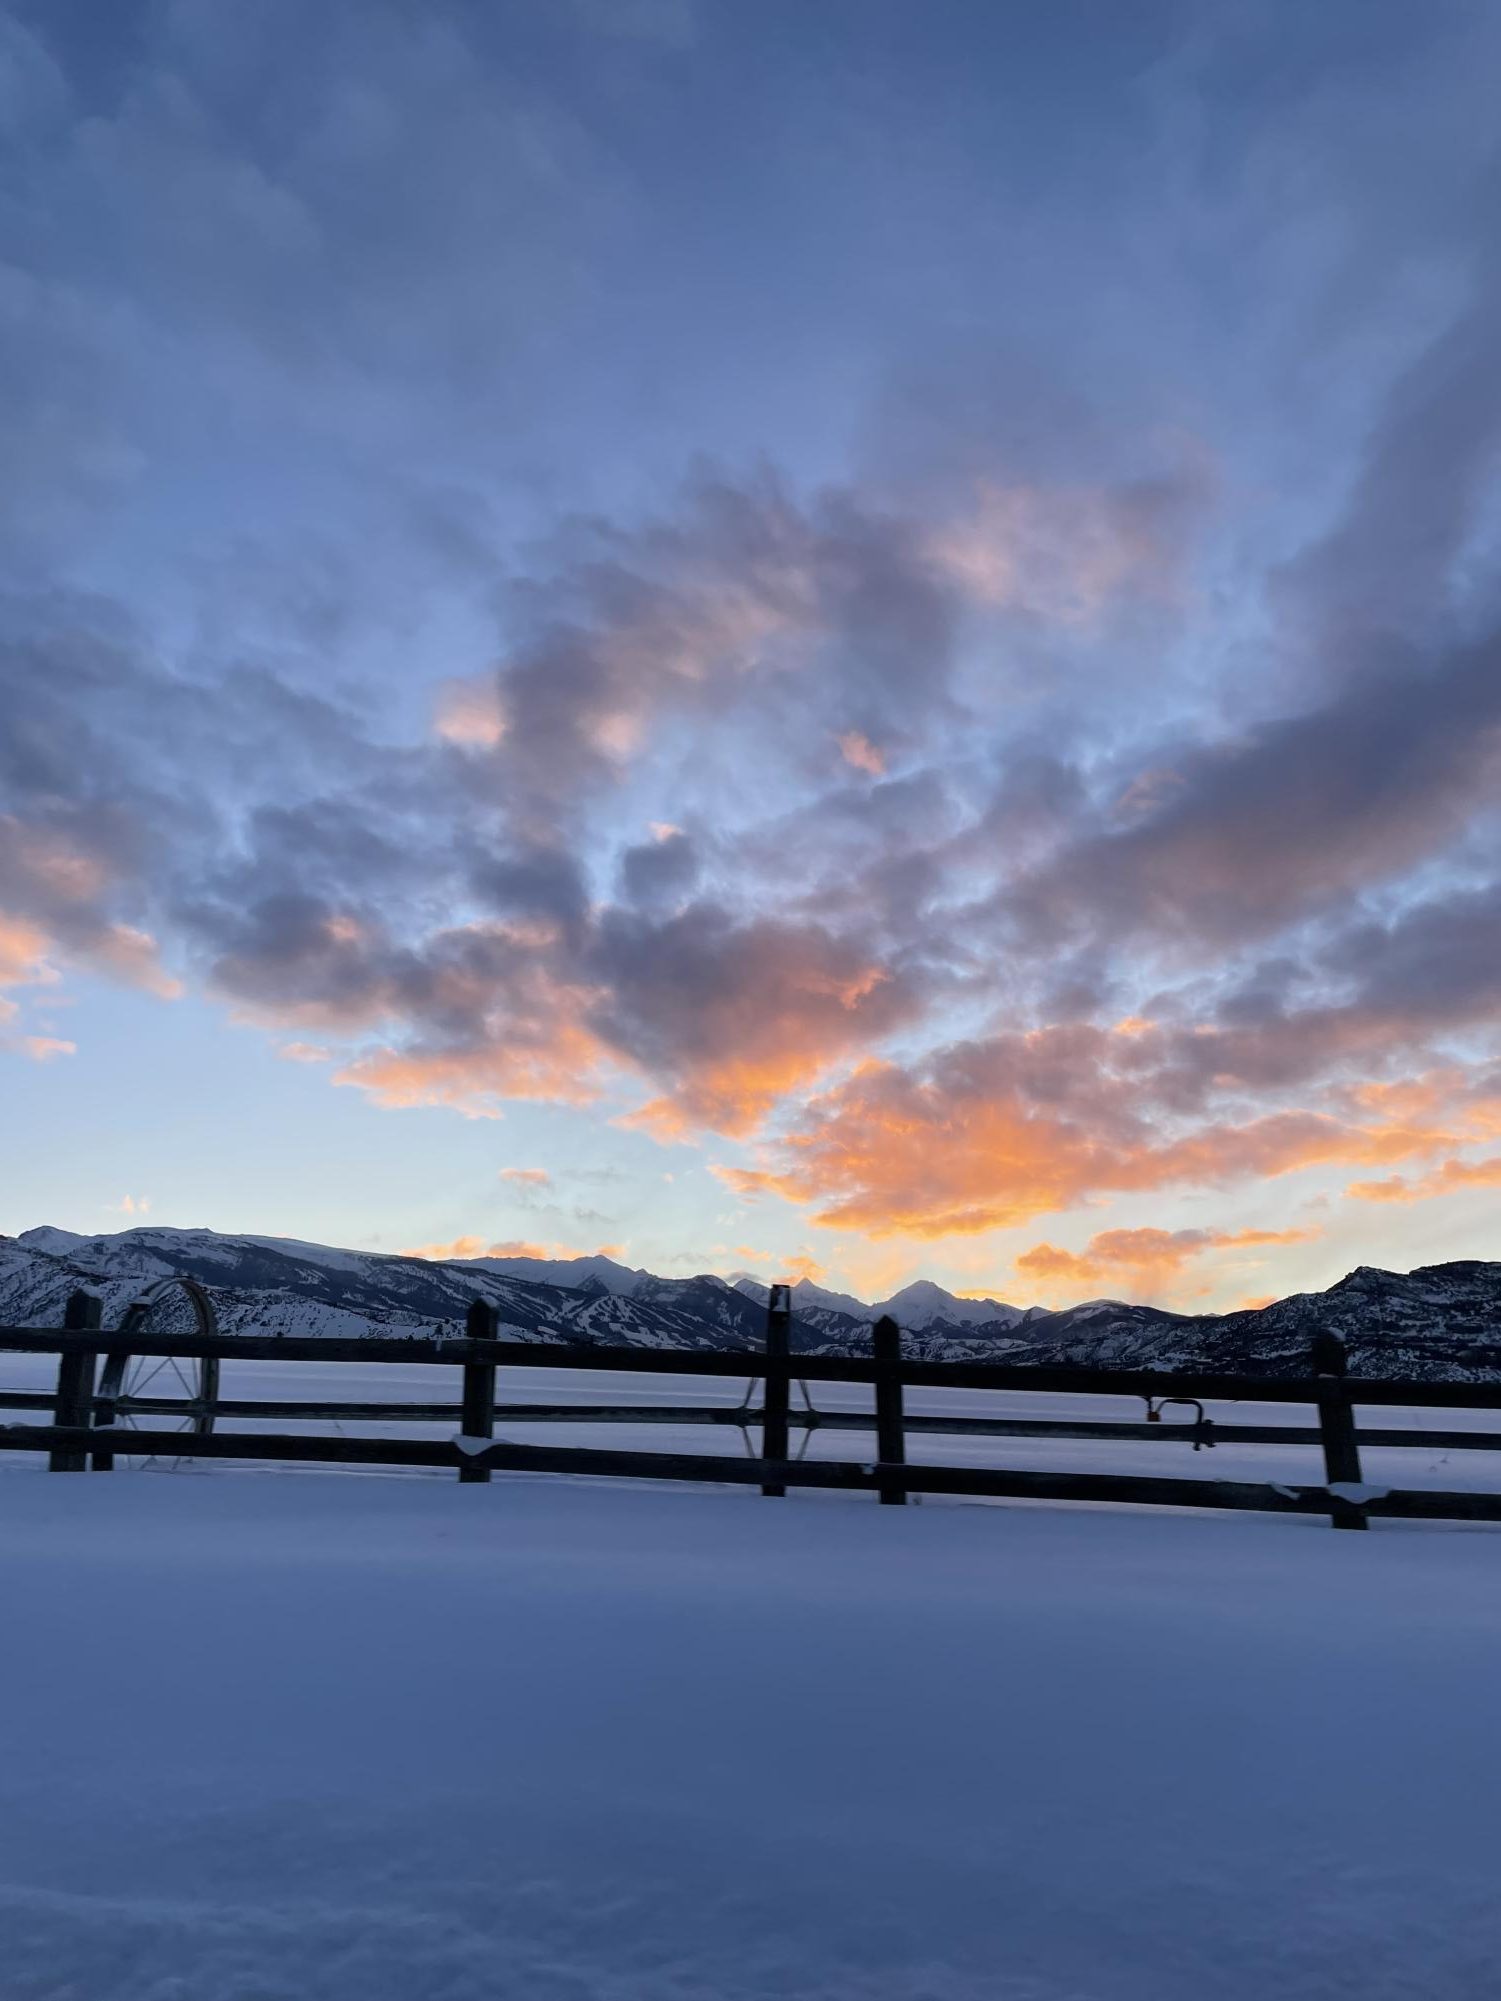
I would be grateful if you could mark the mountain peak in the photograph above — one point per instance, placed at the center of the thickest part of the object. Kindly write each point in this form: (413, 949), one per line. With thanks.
(922, 1302)
(1428, 1324)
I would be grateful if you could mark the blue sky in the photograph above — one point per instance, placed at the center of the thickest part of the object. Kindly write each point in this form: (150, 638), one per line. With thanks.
(856, 639)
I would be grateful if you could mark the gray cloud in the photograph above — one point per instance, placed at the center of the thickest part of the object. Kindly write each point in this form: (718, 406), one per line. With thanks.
(1390, 566)
(660, 871)
(1253, 835)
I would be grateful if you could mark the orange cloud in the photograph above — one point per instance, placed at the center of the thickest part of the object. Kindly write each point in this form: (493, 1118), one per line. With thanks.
(460, 1247)
(42, 1048)
(475, 1081)
(23, 954)
(469, 712)
(465, 1250)
(966, 1151)
(1448, 1178)
(1147, 1259)
(857, 749)
(1133, 1024)
(119, 950)
(538, 1047)
(798, 1265)
(529, 1177)
(730, 1016)
(24, 963)
(1425, 1097)
(727, 1018)
(131, 956)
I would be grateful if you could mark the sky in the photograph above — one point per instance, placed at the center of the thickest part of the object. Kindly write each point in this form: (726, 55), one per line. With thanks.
(855, 641)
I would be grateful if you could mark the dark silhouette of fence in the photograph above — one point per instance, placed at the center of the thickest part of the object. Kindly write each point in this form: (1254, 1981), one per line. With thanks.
(86, 1424)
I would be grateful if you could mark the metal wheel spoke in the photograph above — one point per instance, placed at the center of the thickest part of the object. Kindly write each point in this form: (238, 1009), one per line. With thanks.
(140, 1376)
(187, 1386)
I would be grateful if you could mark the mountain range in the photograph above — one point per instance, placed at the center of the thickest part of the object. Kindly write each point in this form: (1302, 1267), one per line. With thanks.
(1441, 1321)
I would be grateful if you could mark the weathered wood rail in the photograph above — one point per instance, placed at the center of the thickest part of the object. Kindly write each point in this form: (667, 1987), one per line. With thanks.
(85, 1425)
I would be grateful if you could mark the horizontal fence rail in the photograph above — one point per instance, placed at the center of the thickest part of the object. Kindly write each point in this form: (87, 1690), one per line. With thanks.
(741, 1363)
(86, 1424)
(739, 1416)
(506, 1455)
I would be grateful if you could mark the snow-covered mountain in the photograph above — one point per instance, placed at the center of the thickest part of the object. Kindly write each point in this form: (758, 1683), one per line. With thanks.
(920, 1305)
(1439, 1321)
(574, 1273)
(279, 1285)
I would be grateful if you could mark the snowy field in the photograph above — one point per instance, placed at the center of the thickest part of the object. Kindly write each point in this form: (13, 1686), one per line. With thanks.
(312, 1737)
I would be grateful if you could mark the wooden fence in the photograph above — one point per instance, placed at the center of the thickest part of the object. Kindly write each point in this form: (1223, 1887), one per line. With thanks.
(85, 1427)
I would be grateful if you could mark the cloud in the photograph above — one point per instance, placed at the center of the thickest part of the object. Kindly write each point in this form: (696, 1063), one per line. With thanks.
(858, 751)
(661, 871)
(732, 1015)
(1389, 564)
(1139, 784)
(1286, 821)
(465, 1250)
(1225, 836)
(478, 1081)
(1062, 554)
(990, 1134)
(42, 1048)
(119, 951)
(1450, 1177)
(793, 1265)
(1146, 1260)
(23, 954)
(132, 956)
(527, 1177)
(744, 592)
(469, 712)
(131, 1205)
(24, 963)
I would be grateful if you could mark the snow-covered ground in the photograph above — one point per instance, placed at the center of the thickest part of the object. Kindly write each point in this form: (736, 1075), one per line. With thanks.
(307, 1736)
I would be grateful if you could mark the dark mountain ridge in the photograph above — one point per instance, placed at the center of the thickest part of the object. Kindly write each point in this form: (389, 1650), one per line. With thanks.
(1440, 1321)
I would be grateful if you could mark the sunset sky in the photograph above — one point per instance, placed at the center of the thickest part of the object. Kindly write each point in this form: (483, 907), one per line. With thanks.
(853, 637)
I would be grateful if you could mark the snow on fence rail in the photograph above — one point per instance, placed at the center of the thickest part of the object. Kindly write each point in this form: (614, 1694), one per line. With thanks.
(85, 1428)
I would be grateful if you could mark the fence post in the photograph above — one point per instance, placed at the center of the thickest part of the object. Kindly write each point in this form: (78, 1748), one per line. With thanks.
(478, 1419)
(776, 1394)
(75, 1380)
(891, 1443)
(1337, 1429)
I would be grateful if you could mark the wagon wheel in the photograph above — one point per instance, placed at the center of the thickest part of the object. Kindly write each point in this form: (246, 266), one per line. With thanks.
(161, 1392)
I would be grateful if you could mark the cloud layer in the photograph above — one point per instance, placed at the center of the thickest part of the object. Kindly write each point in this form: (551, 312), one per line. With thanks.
(1076, 783)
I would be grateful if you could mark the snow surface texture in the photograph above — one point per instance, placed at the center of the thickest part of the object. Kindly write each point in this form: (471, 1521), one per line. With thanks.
(318, 1738)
